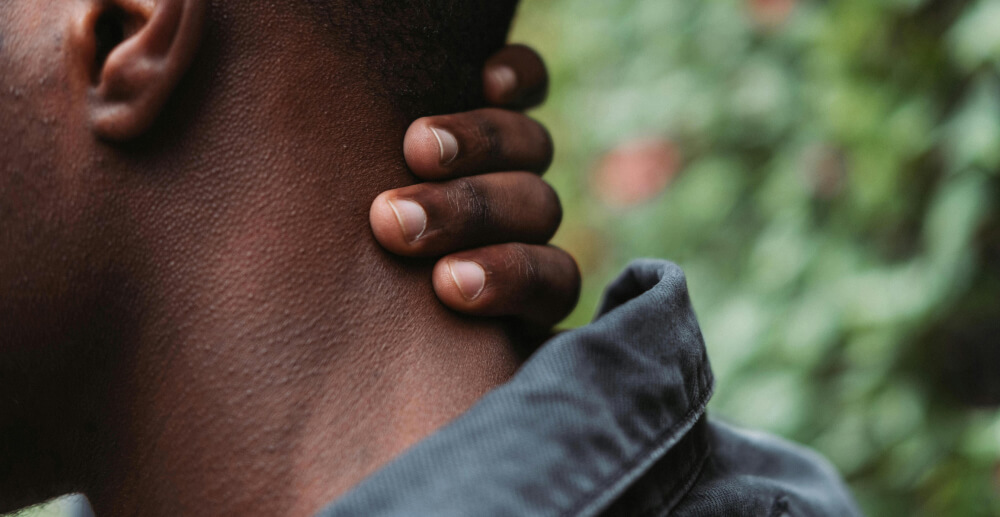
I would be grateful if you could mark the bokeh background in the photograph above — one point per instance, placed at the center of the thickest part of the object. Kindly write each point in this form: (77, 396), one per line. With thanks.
(827, 174)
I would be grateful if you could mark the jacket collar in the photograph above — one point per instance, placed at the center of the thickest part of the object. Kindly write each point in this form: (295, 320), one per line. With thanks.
(588, 415)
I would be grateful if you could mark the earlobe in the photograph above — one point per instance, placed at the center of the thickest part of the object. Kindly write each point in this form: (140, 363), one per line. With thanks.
(142, 50)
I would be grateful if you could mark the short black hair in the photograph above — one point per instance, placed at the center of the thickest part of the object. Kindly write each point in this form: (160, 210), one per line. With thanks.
(426, 55)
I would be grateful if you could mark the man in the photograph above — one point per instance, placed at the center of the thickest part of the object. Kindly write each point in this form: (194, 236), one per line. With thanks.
(197, 321)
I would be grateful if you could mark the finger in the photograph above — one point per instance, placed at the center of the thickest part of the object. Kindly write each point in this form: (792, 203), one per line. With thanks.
(486, 140)
(515, 77)
(432, 219)
(536, 284)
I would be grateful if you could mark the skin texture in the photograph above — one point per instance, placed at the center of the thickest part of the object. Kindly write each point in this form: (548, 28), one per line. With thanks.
(196, 318)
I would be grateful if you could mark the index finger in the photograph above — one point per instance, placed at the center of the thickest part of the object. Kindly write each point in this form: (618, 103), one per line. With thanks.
(476, 142)
(515, 77)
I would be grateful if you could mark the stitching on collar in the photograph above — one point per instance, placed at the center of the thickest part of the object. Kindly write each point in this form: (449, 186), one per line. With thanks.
(616, 483)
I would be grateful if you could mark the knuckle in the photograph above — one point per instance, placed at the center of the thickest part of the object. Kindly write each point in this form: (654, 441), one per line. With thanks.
(468, 200)
(487, 135)
(524, 264)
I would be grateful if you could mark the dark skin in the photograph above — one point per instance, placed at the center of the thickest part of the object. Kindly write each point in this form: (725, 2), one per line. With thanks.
(196, 319)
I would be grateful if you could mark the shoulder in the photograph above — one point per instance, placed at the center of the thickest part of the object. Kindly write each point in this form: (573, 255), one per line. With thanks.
(753, 473)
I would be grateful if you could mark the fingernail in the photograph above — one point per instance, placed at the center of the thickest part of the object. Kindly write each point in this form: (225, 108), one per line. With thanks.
(469, 277)
(505, 77)
(412, 218)
(447, 145)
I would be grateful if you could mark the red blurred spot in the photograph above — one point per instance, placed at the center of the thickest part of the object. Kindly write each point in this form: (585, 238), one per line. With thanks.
(636, 171)
(770, 13)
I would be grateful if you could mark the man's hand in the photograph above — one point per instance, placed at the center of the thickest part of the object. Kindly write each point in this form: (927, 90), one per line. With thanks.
(490, 227)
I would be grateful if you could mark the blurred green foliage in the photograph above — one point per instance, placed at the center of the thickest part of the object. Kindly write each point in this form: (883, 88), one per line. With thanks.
(834, 205)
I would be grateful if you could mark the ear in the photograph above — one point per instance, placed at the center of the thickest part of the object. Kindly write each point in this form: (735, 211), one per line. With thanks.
(142, 50)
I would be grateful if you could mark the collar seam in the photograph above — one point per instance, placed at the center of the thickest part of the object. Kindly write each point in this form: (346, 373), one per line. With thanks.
(695, 475)
(649, 454)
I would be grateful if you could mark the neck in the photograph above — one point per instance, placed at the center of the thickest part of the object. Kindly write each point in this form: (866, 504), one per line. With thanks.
(279, 355)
